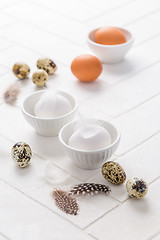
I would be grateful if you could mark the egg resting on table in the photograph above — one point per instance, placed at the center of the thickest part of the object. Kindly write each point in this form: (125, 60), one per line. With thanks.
(113, 172)
(109, 36)
(21, 70)
(52, 105)
(92, 137)
(47, 65)
(136, 188)
(21, 154)
(40, 78)
(86, 67)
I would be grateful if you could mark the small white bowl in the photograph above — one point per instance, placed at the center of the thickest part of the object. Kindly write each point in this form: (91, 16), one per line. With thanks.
(48, 127)
(89, 159)
(110, 53)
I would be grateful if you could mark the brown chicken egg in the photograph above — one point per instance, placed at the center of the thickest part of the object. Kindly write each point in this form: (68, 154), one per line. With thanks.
(109, 36)
(86, 67)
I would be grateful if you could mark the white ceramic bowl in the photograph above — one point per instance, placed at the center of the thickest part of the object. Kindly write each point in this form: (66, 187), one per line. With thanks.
(49, 127)
(110, 53)
(89, 159)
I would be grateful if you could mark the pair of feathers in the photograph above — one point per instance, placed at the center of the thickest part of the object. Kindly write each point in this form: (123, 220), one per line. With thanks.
(68, 204)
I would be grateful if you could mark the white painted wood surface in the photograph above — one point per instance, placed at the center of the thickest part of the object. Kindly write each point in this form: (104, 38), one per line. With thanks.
(127, 94)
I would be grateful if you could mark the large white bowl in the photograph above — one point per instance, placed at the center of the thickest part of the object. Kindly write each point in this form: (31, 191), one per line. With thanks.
(49, 127)
(110, 53)
(89, 159)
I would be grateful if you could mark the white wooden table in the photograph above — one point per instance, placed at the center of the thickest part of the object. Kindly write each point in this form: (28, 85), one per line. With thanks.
(127, 94)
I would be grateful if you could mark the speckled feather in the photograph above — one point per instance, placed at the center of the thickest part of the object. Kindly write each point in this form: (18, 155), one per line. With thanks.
(89, 188)
(65, 202)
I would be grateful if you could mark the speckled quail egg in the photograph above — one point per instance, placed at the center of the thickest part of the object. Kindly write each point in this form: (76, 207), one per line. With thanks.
(136, 188)
(40, 77)
(113, 172)
(47, 65)
(21, 70)
(21, 154)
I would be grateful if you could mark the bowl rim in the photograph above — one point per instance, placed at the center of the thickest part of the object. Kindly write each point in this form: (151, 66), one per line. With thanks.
(48, 119)
(111, 46)
(90, 151)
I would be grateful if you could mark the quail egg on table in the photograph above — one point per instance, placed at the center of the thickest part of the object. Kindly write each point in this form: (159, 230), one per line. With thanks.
(113, 172)
(136, 188)
(47, 65)
(21, 154)
(21, 70)
(40, 77)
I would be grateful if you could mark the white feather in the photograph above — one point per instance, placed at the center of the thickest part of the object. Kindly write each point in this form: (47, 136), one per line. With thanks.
(11, 93)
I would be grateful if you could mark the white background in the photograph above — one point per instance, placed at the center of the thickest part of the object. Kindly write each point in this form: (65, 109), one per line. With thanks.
(127, 94)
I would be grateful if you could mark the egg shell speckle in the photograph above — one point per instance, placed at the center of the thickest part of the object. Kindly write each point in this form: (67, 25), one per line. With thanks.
(21, 154)
(21, 70)
(136, 188)
(47, 65)
(113, 172)
(40, 78)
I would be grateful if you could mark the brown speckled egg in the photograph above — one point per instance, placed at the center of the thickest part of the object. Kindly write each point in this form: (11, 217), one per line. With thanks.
(113, 172)
(47, 65)
(21, 70)
(136, 188)
(21, 154)
(40, 77)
